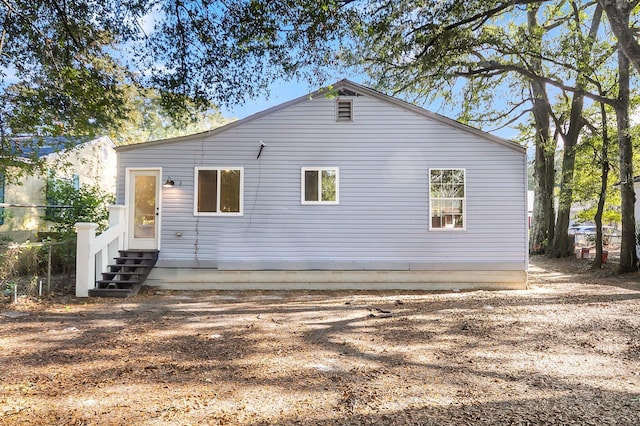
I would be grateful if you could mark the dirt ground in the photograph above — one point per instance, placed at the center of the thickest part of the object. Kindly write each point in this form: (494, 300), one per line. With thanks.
(566, 351)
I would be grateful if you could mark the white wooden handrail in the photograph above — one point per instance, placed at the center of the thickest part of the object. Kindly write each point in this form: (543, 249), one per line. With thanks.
(95, 251)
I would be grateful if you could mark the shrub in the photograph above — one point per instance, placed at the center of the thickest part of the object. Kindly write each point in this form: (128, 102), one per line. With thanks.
(83, 203)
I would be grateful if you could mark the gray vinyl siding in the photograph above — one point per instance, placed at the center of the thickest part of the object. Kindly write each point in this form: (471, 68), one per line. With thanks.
(382, 219)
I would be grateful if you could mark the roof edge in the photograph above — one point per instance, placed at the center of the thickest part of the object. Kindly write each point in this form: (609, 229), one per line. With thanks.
(226, 127)
(344, 83)
(429, 114)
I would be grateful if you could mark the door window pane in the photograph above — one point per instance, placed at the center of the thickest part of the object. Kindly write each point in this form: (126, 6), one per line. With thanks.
(144, 207)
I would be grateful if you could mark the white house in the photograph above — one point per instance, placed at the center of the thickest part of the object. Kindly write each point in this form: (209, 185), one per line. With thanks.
(82, 161)
(347, 188)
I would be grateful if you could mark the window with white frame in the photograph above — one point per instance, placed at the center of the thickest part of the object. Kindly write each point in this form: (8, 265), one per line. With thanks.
(219, 191)
(319, 185)
(447, 200)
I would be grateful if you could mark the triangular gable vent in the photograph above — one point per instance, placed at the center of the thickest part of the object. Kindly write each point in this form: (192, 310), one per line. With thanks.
(347, 92)
(344, 110)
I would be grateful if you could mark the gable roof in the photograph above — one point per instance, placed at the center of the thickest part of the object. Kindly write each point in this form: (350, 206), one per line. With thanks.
(41, 146)
(350, 88)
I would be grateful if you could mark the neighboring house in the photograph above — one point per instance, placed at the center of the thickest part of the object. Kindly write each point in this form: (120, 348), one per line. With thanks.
(530, 200)
(357, 190)
(92, 162)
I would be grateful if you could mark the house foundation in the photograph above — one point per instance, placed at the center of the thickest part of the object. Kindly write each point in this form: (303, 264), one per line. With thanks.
(213, 279)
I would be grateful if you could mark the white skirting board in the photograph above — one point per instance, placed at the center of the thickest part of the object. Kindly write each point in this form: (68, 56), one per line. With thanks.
(214, 279)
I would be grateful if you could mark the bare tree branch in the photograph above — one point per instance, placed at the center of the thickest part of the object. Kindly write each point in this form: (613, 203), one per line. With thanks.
(493, 68)
(618, 13)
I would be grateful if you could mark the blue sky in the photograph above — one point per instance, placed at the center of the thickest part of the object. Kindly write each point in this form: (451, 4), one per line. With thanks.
(280, 92)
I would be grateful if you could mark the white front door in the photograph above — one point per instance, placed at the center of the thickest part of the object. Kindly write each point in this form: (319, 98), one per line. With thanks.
(144, 208)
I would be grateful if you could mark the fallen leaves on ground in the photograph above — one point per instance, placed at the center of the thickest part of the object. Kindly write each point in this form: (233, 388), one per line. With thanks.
(565, 351)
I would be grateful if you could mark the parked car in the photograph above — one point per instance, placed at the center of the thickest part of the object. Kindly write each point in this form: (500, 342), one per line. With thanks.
(585, 234)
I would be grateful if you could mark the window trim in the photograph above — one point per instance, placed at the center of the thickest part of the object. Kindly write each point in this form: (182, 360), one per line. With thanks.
(337, 112)
(218, 187)
(463, 199)
(303, 170)
(105, 153)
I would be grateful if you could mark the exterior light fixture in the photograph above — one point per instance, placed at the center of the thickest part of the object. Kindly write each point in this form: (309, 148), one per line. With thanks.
(262, 145)
(169, 183)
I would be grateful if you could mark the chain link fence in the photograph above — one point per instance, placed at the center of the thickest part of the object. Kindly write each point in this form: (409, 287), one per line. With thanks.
(34, 270)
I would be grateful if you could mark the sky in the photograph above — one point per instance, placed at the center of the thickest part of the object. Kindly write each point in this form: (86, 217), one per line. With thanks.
(280, 92)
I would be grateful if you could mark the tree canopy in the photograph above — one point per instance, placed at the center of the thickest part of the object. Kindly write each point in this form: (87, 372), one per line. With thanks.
(81, 67)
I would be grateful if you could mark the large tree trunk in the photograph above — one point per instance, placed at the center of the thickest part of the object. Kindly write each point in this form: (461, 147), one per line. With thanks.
(544, 166)
(628, 245)
(542, 220)
(597, 262)
(562, 244)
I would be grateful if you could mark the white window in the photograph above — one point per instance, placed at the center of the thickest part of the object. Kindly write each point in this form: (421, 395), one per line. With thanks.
(344, 110)
(219, 191)
(319, 185)
(447, 201)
